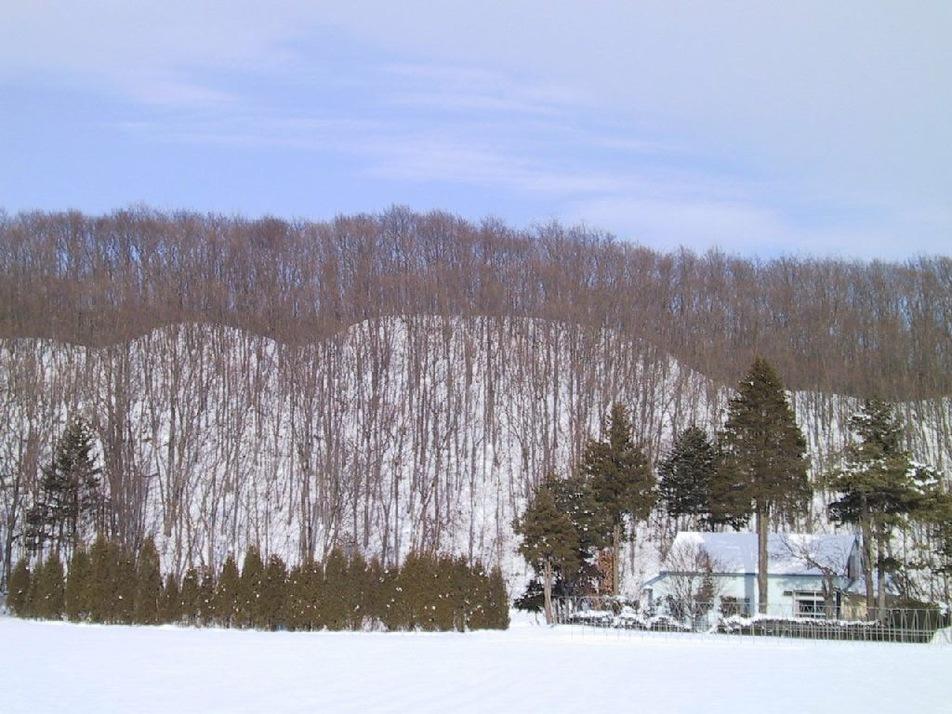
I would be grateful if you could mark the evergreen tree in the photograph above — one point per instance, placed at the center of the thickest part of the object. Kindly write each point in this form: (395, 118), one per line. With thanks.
(101, 592)
(444, 595)
(461, 592)
(171, 600)
(273, 594)
(375, 594)
(687, 474)
(252, 575)
(227, 593)
(498, 603)
(148, 593)
(70, 492)
(357, 577)
(549, 541)
(124, 569)
(189, 596)
(931, 520)
(763, 470)
(295, 606)
(389, 601)
(338, 594)
(875, 487)
(19, 589)
(77, 586)
(622, 480)
(206, 598)
(48, 596)
(575, 497)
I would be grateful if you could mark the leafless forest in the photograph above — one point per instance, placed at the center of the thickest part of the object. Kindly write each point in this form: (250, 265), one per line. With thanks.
(399, 381)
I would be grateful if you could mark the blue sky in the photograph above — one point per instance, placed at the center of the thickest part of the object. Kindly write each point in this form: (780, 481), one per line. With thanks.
(808, 128)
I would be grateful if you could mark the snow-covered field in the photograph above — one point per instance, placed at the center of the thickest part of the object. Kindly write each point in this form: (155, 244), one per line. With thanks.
(51, 667)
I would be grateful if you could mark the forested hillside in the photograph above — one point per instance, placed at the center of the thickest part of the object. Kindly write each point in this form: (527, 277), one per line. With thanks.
(400, 382)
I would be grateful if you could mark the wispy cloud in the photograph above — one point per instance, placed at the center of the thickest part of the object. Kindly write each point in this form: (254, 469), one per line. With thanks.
(809, 126)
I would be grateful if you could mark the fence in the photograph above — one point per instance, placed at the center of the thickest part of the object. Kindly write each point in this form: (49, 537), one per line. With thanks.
(730, 618)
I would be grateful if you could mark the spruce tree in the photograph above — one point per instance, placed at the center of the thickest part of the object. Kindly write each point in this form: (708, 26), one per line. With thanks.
(498, 603)
(48, 603)
(932, 512)
(124, 569)
(101, 591)
(70, 492)
(19, 589)
(575, 496)
(171, 600)
(77, 586)
(444, 595)
(252, 575)
(549, 541)
(189, 596)
(875, 486)
(687, 473)
(273, 594)
(763, 470)
(374, 597)
(206, 598)
(295, 604)
(622, 480)
(227, 593)
(338, 595)
(461, 591)
(148, 593)
(359, 587)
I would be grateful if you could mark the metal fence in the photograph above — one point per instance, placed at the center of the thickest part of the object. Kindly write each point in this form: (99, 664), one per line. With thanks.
(729, 618)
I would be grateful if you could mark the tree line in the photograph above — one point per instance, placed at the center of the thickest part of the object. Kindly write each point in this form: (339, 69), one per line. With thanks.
(109, 584)
(755, 468)
(849, 327)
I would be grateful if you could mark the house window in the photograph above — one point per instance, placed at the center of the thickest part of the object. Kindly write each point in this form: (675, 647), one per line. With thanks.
(808, 604)
(735, 606)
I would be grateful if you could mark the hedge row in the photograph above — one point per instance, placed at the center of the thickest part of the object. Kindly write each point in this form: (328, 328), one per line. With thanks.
(108, 584)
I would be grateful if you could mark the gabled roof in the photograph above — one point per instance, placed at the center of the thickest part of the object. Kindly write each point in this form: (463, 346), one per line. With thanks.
(787, 553)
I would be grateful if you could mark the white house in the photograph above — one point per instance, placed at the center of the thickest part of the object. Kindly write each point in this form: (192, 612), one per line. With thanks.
(807, 574)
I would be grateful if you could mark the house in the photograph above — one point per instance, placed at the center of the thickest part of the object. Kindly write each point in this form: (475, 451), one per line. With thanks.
(808, 575)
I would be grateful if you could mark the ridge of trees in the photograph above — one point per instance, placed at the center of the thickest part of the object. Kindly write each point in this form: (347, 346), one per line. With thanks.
(860, 328)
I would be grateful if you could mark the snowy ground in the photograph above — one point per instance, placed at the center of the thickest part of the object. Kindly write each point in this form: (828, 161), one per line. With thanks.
(52, 667)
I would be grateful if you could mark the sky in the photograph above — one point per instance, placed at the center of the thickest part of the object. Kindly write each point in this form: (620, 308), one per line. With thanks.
(807, 128)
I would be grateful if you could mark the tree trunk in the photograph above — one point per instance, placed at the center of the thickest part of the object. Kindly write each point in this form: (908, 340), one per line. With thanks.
(881, 579)
(868, 565)
(616, 548)
(761, 559)
(547, 590)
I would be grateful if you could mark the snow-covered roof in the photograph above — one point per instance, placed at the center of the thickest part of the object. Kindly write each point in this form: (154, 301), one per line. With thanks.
(787, 553)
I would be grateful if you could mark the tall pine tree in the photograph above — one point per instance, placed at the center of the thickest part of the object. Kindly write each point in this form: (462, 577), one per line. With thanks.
(622, 480)
(763, 471)
(874, 486)
(549, 541)
(70, 494)
(687, 474)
